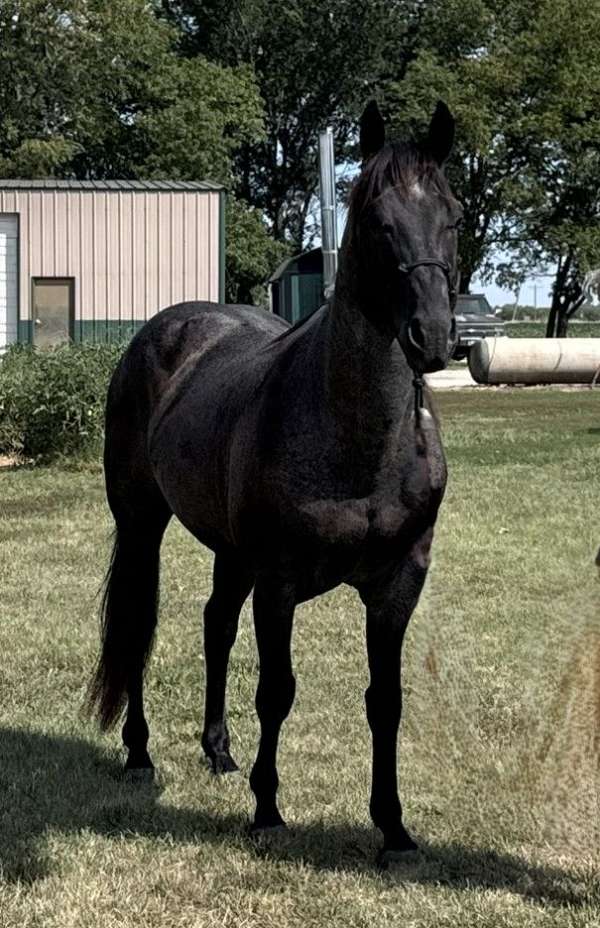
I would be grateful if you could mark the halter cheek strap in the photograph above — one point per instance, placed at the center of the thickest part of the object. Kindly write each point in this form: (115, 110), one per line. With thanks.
(407, 269)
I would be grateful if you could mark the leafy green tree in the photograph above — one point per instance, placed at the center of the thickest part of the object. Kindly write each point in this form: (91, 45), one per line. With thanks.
(84, 94)
(462, 59)
(560, 188)
(252, 255)
(523, 81)
(315, 64)
(38, 75)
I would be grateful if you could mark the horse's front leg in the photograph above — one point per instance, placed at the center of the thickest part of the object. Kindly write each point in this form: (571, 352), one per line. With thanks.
(390, 604)
(274, 602)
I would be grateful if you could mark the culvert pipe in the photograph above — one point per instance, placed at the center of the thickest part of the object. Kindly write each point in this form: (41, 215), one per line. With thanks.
(535, 360)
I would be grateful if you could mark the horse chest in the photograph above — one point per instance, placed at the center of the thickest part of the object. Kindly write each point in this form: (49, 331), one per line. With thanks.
(353, 523)
(397, 500)
(405, 487)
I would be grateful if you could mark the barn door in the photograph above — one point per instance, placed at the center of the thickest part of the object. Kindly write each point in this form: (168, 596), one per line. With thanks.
(52, 311)
(9, 237)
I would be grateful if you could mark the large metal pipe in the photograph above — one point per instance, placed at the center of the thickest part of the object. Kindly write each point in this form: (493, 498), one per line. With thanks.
(328, 210)
(535, 360)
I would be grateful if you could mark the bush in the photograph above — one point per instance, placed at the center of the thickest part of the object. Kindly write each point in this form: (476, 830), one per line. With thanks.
(577, 329)
(586, 313)
(52, 402)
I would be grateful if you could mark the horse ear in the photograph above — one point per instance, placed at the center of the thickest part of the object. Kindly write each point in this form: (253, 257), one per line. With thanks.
(372, 130)
(440, 137)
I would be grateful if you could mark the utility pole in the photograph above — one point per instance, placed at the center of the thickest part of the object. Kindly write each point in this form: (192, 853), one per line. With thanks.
(328, 211)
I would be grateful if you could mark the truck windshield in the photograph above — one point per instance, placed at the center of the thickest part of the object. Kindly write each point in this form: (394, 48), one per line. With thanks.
(474, 304)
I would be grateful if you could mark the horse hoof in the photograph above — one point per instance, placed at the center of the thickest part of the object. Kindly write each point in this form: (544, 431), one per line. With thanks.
(223, 763)
(262, 833)
(139, 774)
(388, 857)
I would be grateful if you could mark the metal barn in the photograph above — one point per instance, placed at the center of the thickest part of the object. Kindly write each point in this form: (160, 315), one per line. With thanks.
(95, 259)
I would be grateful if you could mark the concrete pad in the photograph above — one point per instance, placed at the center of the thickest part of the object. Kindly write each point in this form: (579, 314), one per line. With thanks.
(454, 378)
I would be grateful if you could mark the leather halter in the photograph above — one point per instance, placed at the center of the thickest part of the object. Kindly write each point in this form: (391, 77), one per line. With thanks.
(407, 269)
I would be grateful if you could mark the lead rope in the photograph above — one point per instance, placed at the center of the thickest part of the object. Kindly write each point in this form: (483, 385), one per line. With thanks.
(418, 384)
(407, 269)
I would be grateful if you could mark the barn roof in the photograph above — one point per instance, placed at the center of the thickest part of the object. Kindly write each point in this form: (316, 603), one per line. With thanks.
(307, 262)
(154, 186)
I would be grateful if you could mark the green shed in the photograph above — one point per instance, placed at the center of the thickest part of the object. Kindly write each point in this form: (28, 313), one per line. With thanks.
(296, 287)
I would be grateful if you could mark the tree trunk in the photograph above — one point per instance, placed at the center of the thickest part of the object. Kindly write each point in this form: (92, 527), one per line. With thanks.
(557, 307)
(561, 325)
(562, 311)
(567, 296)
(465, 281)
(552, 319)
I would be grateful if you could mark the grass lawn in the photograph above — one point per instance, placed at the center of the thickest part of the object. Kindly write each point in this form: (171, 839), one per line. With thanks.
(500, 748)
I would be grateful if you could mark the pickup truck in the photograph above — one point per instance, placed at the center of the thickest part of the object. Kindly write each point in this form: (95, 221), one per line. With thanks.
(474, 321)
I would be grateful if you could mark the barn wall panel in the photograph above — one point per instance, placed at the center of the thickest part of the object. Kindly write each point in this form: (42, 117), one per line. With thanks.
(212, 234)
(131, 253)
(9, 287)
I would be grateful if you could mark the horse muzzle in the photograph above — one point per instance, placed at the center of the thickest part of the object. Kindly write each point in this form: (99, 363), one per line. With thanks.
(427, 346)
(428, 337)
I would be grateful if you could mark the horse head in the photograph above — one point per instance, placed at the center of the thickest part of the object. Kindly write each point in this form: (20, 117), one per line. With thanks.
(404, 221)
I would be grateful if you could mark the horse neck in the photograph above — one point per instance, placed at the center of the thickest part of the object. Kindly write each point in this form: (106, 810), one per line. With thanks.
(369, 382)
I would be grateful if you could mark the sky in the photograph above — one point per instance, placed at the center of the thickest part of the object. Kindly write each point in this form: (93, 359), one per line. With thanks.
(534, 292)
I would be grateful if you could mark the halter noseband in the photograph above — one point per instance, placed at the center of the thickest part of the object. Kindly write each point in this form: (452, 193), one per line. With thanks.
(407, 269)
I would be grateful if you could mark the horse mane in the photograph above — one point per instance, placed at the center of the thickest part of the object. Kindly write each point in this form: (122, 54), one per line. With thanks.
(397, 165)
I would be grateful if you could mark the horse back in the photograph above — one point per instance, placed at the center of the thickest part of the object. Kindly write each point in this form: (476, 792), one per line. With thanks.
(170, 343)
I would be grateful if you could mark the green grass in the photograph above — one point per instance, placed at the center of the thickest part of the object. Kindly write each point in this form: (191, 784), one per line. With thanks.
(500, 759)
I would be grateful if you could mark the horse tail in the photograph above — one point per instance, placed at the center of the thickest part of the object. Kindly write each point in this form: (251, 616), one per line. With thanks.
(128, 621)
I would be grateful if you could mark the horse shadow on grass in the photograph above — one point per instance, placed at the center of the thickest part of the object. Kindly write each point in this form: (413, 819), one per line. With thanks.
(57, 783)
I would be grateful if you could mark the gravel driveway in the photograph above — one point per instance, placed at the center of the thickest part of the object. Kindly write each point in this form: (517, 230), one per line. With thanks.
(451, 379)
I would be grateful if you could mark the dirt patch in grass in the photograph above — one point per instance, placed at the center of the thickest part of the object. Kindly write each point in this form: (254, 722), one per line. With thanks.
(9, 460)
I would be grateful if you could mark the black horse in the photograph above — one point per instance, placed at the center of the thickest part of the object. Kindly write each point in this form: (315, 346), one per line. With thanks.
(305, 457)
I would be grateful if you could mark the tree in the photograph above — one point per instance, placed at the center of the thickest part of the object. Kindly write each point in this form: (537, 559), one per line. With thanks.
(84, 95)
(464, 58)
(252, 254)
(562, 190)
(38, 76)
(523, 82)
(315, 64)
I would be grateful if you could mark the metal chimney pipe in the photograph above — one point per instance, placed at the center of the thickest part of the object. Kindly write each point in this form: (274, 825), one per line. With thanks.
(328, 211)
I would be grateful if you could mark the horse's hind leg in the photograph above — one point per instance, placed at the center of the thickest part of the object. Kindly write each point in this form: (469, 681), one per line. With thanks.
(141, 515)
(232, 582)
(129, 621)
(143, 583)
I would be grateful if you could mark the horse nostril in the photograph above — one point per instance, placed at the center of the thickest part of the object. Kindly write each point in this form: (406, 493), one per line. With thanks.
(416, 336)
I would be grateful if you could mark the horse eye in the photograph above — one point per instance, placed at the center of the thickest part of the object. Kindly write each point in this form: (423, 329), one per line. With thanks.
(387, 228)
(458, 223)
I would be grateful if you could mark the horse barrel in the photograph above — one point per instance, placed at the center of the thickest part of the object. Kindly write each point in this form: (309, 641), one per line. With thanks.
(535, 360)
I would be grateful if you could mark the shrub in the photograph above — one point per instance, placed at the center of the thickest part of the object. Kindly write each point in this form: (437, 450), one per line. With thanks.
(586, 313)
(52, 402)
